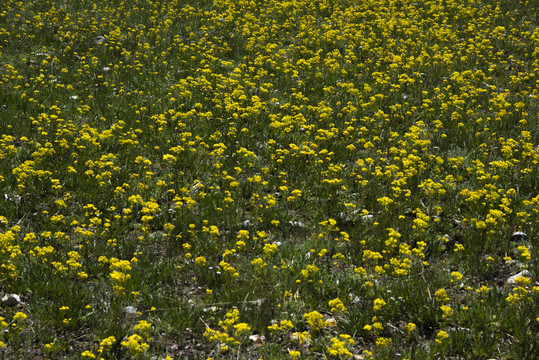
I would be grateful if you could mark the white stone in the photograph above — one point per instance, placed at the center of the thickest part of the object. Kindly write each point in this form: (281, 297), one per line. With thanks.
(524, 273)
(518, 235)
(11, 300)
(257, 339)
(130, 310)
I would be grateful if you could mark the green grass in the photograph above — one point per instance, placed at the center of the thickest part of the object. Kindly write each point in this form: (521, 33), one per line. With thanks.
(253, 178)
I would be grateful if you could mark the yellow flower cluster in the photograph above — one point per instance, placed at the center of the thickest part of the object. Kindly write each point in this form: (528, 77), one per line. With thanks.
(232, 332)
(339, 346)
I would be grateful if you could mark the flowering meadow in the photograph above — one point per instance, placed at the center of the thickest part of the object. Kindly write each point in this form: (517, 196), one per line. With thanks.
(304, 179)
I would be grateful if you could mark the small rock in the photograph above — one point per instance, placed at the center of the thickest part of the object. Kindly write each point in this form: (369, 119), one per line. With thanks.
(99, 39)
(523, 273)
(518, 236)
(257, 339)
(11, 300)
(296, 223)
(446, 238)
(130, 310)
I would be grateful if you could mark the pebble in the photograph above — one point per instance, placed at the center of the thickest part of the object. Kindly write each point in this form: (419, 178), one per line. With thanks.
(11, 300)
(257, 339)
(524, 273)
(296, 223)
(99, 39)
(518, 235)
(130, 310)
(447, 238)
